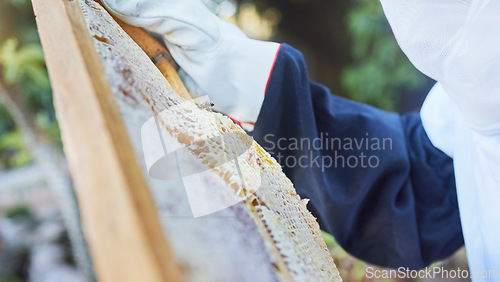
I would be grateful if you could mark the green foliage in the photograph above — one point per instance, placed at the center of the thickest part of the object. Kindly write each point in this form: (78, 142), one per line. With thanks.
(25, 66)
(6, 122)
(19, 212)
(10, 278)
(47, 124)
(22, 66)
(380, 72)
(329, 239)
(350, 268)
(23, 62)
(13, 153)
(17, 19)
(19, 3)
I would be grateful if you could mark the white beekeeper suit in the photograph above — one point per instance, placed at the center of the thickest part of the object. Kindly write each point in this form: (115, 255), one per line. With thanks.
(457, 43)
(452, 41)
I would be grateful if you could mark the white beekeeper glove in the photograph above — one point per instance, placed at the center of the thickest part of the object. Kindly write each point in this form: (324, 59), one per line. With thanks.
(227, 66)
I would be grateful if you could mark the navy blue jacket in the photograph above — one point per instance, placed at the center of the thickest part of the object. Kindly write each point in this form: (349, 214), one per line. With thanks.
(375, 181)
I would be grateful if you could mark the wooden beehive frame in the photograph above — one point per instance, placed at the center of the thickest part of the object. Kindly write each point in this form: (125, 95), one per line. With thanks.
(127, 244)
(119, 215)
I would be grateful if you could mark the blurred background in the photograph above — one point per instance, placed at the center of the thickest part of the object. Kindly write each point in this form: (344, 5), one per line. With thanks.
(348, 46)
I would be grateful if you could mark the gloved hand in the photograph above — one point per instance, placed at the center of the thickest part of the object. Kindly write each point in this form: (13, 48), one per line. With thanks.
(227, 66)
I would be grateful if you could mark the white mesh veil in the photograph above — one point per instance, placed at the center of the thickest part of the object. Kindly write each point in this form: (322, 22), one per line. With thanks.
(457, 43)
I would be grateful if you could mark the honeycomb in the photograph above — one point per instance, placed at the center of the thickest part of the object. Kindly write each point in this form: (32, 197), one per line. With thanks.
(268, 234)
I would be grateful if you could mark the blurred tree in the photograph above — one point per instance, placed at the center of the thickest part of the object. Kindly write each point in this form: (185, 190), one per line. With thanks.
(349, 47)
(27, 119)
(379, 73)
(316, 28)
(22, 63)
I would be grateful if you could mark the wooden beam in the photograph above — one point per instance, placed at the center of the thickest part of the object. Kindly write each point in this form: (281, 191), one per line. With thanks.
(119, 215)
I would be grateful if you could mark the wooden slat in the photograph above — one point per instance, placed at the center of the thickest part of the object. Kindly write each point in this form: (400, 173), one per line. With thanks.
(119, 215)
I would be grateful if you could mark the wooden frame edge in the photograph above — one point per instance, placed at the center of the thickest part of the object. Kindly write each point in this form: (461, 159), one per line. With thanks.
(119, 216)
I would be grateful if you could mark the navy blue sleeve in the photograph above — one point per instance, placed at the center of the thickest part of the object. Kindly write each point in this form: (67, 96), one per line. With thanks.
(373, 178)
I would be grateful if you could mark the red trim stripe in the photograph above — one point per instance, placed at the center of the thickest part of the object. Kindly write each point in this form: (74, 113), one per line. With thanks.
(272, 67)
(239, 122)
